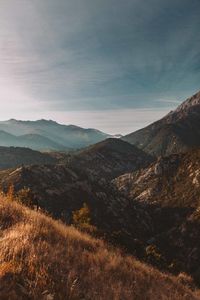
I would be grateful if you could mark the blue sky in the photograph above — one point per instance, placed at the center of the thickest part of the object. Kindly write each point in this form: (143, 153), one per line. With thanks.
(110, 64)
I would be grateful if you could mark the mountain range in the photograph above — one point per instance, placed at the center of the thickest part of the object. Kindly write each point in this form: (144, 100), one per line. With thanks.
(47, 135)
(142, 191)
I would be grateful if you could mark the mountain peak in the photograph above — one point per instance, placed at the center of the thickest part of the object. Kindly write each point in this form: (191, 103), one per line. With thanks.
(190, 102)
(178, 131)
(12, 121)
(46, 121)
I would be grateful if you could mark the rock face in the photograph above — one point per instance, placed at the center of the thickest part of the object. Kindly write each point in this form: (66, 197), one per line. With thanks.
(170, 189)
(170, 181)
(176, 132)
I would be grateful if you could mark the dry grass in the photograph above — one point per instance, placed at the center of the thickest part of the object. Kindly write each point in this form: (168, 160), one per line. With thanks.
(43, 259)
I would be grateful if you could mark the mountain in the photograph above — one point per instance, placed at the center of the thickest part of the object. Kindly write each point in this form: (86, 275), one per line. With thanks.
(162, 230)
(47, 134)
(60, 190)
(178, 131)
(170, 181)
(33, 141)
(110, 158)
(170, 190)
(85, 176)
(12, 157)
(44, 259)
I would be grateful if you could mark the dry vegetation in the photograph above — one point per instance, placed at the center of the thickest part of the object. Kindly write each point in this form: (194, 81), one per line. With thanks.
(43, 259)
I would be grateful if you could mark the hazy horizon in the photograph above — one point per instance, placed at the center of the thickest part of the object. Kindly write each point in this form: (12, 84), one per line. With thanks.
(121, 123)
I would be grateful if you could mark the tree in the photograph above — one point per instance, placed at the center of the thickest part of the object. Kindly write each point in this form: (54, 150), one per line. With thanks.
(25, 196)
(82, 220)
(82, 216)
(11, 193)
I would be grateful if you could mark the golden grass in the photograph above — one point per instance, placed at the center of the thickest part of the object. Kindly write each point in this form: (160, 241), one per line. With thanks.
(43, 259)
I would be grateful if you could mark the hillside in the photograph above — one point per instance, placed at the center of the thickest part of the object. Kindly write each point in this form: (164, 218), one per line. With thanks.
(39, 261)
(47, 135)
(61, 190)
(110, 158)
(12, 157)
(170, 181)
(176, 132)
(130, 223)
(169, 190)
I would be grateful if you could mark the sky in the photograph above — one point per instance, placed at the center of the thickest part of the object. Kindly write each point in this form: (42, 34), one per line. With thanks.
(108, 64)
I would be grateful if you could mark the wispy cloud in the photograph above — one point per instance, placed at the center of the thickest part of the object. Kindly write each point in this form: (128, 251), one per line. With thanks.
(98, 55)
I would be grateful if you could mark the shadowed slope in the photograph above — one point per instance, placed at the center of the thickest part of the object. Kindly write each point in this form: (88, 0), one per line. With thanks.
(110, 158)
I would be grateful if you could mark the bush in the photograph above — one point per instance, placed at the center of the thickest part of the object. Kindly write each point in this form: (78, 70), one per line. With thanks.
(82, 220)
(11, 193)
(25, 197)
(154, 256)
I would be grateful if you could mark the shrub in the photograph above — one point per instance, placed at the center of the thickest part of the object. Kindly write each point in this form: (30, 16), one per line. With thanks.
(25, 197)
(11, 193)
(82, 220)
(154, 256)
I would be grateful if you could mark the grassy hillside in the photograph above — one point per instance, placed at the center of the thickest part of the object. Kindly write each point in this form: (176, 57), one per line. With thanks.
(43, 259)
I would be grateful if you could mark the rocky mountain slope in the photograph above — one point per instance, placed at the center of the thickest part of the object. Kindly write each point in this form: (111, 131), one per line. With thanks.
(12, 157)
(39, 261)
(162, 233)
(176, 132)
(47, 134)
(170, 190)
(170, 181)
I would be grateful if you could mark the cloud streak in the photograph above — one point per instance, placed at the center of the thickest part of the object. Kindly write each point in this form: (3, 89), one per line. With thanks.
(98, 55)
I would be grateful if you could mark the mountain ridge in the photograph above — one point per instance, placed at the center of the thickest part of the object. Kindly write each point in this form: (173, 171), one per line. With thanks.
(55, 136)
(176, 132)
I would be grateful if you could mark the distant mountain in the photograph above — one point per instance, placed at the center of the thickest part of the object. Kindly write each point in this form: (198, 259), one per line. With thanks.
(12, 157)
(176, 132)
(110, 158)
(47, 135)
(33, 141)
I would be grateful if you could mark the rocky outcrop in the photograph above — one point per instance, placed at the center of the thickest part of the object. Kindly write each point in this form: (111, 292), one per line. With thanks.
(170, 181)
